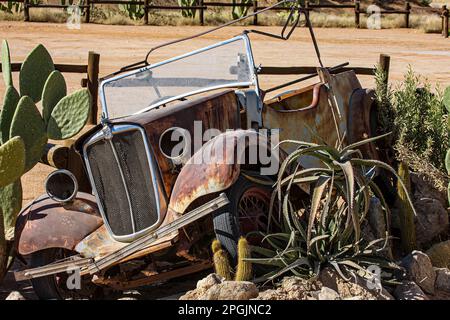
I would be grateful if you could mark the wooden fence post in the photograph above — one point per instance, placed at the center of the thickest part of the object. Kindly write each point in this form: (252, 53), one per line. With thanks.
(357, 11)
(92, 84)
(255, 8)
(385, 62)
(408, 11)
(202, 13)
(146, 12)
(307, 8)
(26, 11)
(445, 16)
(87, 18)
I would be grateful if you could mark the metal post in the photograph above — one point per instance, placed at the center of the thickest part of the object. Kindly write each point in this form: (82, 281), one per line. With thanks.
(408, 11)
(202, 14)
(146, 12)
(92, 84)
(26, 11)
(357, 12)
(255, 8)
(385, 62)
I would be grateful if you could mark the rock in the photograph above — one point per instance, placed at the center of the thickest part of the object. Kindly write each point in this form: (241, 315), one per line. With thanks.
(440, 254)
(328, 294)
(231, 290)
(420, 270)
(15, 295)
(377, 218)
(409, 290)
(357, 287)
(424, 189)
(213, 287)
(431, 220)
(443, 279)
(293, 288)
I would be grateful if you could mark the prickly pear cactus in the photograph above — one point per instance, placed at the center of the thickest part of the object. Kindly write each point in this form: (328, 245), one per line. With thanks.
(221, 262)
(54, 90)
(446, 99)
(10, 205)
(6, 64)
(10, 101)
(34, 73)
(28, 124)
(244, 267)
(12, 161)
(70, 115)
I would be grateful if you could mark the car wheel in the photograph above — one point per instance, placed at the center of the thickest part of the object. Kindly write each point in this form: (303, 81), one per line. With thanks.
(247, 211)
(54, 287)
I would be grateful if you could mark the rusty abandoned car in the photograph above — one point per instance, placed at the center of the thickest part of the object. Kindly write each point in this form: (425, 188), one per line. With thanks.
(147, 215)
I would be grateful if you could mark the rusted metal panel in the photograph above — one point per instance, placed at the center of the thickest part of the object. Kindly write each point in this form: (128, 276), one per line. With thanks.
(48, 224)
(213, 168)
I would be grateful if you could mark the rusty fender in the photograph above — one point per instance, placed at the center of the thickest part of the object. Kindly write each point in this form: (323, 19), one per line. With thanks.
(213, 168)
(48, 224)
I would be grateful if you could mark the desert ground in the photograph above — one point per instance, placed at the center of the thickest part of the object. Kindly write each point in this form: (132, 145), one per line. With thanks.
(428, 54)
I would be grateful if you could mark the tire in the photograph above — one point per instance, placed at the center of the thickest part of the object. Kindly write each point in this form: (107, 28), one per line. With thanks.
(52, 287)
(228, 222)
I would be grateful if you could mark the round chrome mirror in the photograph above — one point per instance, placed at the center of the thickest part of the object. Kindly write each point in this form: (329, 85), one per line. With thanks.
(61, 186)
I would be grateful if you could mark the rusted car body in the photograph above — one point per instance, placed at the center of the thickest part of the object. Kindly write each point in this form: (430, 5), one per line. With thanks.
(151, 216)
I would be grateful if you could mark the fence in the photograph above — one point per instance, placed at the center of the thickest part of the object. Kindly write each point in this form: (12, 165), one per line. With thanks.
(91, 82)
(201, 6)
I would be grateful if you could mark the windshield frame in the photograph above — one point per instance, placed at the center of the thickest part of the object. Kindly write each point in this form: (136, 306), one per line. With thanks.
(253, 76)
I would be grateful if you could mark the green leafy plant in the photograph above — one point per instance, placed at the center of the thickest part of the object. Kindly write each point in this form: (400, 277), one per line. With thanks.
(133, 11)
(25, 132)
(324, 228)
(240, 11)
(188, 13)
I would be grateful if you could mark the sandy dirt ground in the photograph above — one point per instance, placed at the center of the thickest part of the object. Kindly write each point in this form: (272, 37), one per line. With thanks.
(428, 54)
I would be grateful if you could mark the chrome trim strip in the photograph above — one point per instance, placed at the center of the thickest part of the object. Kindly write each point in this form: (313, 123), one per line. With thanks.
(161, 202)
(127, 192)
(249, 55)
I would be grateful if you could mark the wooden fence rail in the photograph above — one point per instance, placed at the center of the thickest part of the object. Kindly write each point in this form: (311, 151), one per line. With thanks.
(91, 82)
(202, 6)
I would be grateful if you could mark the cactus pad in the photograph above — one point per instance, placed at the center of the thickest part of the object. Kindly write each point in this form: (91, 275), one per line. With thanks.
(54, 90)
(6, 64)
(10, 102)
(70, 115)
(12, 161)
(10, 204)
(447, 99)
(28, 124)
(34, 73)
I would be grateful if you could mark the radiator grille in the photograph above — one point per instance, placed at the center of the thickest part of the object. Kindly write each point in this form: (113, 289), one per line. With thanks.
(121, 175)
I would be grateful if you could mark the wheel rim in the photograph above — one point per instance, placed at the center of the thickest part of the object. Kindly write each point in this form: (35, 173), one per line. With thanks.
(253, 210)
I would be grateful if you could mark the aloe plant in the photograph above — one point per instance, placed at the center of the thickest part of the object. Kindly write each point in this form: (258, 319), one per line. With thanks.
(324, 229)
(24, 131)
(240, 11)
(134, 11)
(188, 13)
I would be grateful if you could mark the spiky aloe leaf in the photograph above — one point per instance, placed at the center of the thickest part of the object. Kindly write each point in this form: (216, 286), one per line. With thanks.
(34, 73)
(10, 204)
(28, 124)
(12, 161)
(6, 64)
(10, 101)
(54, 90)
(70, 115)
(447, 99)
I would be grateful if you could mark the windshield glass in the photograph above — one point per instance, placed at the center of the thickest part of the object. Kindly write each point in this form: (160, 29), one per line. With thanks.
(226, 64)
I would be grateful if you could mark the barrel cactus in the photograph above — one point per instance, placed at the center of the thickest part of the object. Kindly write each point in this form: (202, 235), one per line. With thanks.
(25, 132)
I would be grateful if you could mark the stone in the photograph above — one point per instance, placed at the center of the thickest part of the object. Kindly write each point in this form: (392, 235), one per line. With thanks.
(15, 295)
(293, 288)
(213, 287)
(439, 254)
(419, 269)
(442, 279)
(377, 218)
(409, 290)
(328, 294)
(431, 221)
(424, 189)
